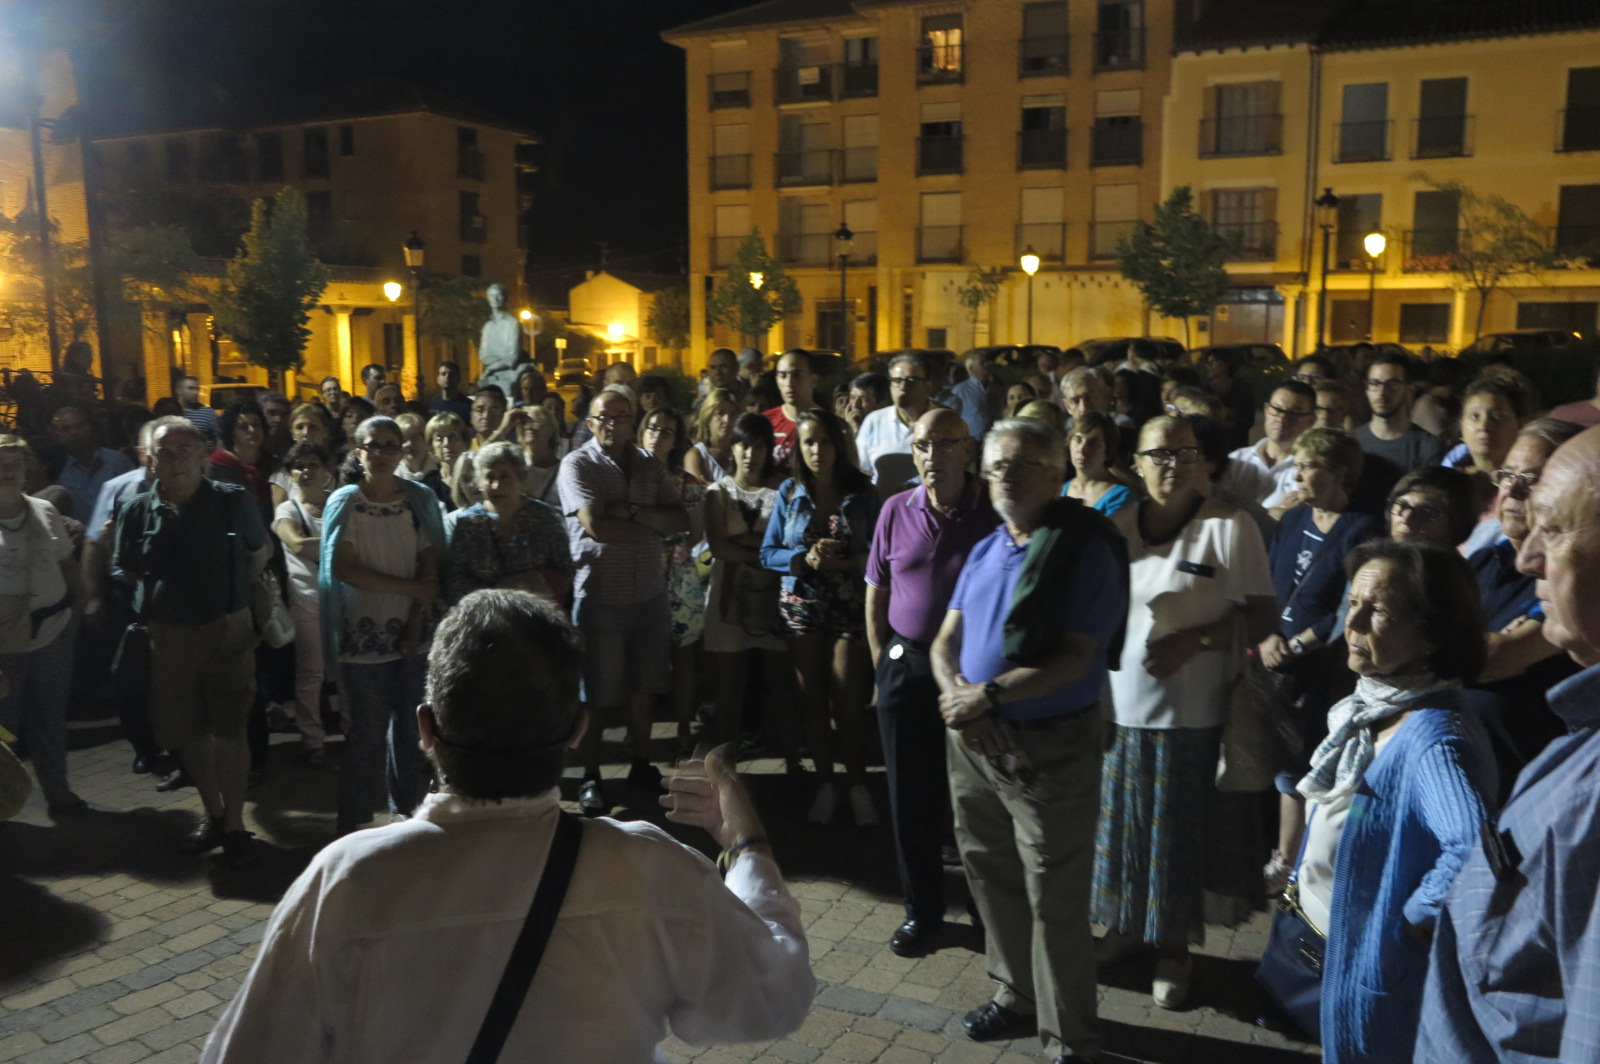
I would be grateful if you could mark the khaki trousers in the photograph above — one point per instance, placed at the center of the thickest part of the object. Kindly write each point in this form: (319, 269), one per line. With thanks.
(1029, 858)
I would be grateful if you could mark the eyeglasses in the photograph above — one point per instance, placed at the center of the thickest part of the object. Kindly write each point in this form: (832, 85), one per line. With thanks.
(1512, 481)
(1332, 411)
(659, 429)
(929, 446)
(1382, 385)
(382, 448)
(1286, 413)
(1311, 467)
(611, 419)
(998, 470)
(907, 381)
(1165, 456)
(1421, 511)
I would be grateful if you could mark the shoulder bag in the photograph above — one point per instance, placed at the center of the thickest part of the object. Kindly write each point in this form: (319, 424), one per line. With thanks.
(1291, 965)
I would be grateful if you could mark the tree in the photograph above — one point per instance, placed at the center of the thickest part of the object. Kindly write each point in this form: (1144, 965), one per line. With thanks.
(1495, 241)
(979, 291)
(742, 304)
(668, 318)
(453, 308)
(1176, 261)
(271, 286)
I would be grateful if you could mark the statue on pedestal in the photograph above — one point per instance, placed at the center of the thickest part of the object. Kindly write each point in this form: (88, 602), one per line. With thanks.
(499, 343)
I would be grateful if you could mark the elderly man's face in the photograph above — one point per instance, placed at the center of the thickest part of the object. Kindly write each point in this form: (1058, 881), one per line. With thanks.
(941, 447)
(1515, 480)
(1563, 549)
(1021, 477)
(909, 386)
(861, 403)
(1287, 416)
(177, 457)
(1084, 396)
(611, 421)
(487, 413)
(387, 400)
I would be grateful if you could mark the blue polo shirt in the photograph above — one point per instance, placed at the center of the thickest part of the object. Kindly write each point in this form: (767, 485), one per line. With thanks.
(1091, 604)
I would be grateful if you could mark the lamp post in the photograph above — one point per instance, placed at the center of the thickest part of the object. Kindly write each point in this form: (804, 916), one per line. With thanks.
(415, 257)
(843, 240)
(1327, 206)
(1030, 266)
(1374, 243)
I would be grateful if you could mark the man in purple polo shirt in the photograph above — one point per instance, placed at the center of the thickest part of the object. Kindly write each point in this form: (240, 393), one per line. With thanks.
(1024, 747)
(922, 539)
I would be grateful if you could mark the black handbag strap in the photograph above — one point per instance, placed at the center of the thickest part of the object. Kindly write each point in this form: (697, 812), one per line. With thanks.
(529, 949)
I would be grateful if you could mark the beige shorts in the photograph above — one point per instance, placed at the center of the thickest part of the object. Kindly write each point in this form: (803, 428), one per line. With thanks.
(202, 679)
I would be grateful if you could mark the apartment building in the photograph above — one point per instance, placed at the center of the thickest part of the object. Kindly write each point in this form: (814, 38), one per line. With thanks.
(376, 163)
(1364, 106)
(940, 135)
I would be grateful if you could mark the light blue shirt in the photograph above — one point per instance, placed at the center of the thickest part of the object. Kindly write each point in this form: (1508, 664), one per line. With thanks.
(83, 481)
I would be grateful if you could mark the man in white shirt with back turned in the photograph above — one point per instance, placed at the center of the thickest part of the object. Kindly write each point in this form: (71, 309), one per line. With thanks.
(391, 945)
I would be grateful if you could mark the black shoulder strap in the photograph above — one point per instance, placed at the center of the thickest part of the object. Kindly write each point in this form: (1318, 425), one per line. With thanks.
(526, 954)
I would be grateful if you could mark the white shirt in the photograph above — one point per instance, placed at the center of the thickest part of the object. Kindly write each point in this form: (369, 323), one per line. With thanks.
(1216, 561)
(883, 444)
(390, 945)
(1324, 830)
(302, 568)
(1255, 476)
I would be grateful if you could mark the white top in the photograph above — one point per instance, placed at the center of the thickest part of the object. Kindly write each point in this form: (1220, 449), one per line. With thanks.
(1255, 476)
(883, 445)
(32, 547)
(1324, 829)
(386, 539)
(1216, 561)
(302, 568)
(390, 946)
(713, 467)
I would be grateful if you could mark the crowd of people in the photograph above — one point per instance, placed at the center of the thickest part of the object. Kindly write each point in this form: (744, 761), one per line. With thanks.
(1148, 644)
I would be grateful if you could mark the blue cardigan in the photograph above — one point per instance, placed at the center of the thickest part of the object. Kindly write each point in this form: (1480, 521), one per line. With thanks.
(1316, 606)
(1411, 827)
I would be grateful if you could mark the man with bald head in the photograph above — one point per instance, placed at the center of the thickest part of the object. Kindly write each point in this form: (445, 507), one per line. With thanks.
(1516, 952)
(922, 539)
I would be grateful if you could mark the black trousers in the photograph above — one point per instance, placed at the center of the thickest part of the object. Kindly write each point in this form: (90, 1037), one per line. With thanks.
(919, 785)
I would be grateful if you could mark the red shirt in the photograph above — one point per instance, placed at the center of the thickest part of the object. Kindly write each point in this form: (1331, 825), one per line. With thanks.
(783, 438)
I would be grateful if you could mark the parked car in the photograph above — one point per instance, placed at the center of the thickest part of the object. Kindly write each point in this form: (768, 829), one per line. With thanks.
(223, 396)
(1013, 354)
(1115, 348)
(1520, 339)
(1262, 357)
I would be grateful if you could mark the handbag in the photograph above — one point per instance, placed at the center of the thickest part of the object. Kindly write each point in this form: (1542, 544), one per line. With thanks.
(1291, 965)
(750, 599)
(272, 620)
(530, 945)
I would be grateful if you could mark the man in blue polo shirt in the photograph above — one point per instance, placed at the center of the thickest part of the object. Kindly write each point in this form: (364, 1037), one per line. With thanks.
(1024, 747)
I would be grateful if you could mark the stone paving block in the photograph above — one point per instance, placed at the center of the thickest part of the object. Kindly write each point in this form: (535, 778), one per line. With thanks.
(87, 999)
(822, 1026)
(28, 1019)
(249, 936)
(875, 980)
(967, 1051)
(228, 906)
(137, 906)
(189, 1004)
(928, 995)
(198, 979)
(13, 1046)
(121, 929)
(188, 962)
(793, 1052)
(903, 1013)
(126, 1053)
(132, 945)
(38, 995)
(184, 1030)
(93, 975)
(851, 999)
(179, 1054)
(76, 1023)
(132, 1026)
(200, 936)
(152, 954)
(899, 1054)
(183, 923)
(837, 966)
(149, 997)
(148, 975)
(67, 1051)
(138, 890)
(853, 1046)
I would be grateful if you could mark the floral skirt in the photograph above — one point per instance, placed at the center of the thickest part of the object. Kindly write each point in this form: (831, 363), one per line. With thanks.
(687, 592)
(831, 604)
(1150, 847)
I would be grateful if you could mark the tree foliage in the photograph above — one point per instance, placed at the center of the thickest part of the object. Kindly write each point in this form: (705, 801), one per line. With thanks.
(453, 308)
(668, 318)
(740, 305)
(983, 284)
(270, 288)
(1495, 241)
(1176, 261)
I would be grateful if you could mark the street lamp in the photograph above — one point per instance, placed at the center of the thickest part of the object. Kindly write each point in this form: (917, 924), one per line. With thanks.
(392, 290)
(1374, 243)
(415, 257)
(1327, 206)
(1030, 266)
(843, 239)
(757, 279)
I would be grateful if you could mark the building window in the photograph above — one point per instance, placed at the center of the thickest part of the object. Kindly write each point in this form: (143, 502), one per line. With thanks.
(730, 224)
(472, 266)
(1435, 230)
(1242, 119)
(859, 76)
(474, 228)
(1442, 120)
(805, 232)
(1424, 323)
(1580, 119)
(1118, 135)
(939, 143)
(862, 218)
(1248, 217)
(315, 145)
(1364, 124)
(1116, 212)
(939, 235)
(805, 153)
(1042, 139)
(347, 140)
(269, 156)
(1580, 318)
(858, 159)
(1358, 215)
(803, 72)
(176, 152)
(1119, 36)
(938, 338)
(729, 80)
(469, 160)
(730, 159)
(1044, 46)
(1041, 226)
(940, 57)
(1578, 222)
(319, 215)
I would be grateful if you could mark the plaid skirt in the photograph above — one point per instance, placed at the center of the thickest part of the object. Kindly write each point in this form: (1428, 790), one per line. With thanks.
(1150, 848)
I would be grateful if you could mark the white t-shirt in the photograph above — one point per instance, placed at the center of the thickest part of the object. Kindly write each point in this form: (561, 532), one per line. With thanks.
(302, 568)
(1209, 569)
(883, 444)
(1324, 830)
(1255, 476)
(16, 582)
(386, 540)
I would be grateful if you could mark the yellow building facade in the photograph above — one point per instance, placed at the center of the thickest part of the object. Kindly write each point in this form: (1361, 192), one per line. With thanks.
(1260, 130)
(941, 136)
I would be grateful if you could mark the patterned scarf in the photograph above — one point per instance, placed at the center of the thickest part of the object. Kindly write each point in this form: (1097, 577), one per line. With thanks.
(1340, 763)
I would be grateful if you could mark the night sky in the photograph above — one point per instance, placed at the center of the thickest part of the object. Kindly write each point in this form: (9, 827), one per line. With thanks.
(593, 77)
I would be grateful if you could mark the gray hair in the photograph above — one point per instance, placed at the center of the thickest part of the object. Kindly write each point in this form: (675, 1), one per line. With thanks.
(1082, 374)
(498, 451)
(176, 423)
(622, 390)
(1028, 430)
(1551, 430)
(915, 359)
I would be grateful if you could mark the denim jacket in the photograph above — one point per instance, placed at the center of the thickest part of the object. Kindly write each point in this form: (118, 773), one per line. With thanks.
(786, 529)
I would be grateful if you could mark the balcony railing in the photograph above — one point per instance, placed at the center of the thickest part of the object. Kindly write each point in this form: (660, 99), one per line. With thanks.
(939, 243)
(1363, 142)
(1042, 149)
(1235, 135)
(857, 80)
(1254, 241)
(801, 84)
(730, 171)
(729, 89)
(939, 155)
(1119, 49)
(1047, 239)
(1441, 137)
(940, 64)
(1581, 242)
(1117, 143)
(1424, 251)
(811, 167)
(858, 164)
(805, 249)
(723, 250)
(1039, 57)
(863, 249)
(1578, 129)
(469, 163)
(1103, 237)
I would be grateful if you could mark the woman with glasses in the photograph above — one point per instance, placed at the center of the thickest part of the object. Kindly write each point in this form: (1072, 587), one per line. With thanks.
(383, 538)
(1199, 592)
(818, 537)
(1098, 479)
(510, 540)
(297, 523)
(1432, 505)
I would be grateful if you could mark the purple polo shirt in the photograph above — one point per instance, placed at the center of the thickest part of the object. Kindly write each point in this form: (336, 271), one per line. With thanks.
(918, 552)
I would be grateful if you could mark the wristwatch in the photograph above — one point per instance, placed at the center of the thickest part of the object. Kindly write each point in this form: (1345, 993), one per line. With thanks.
(1205, 641)
(1296, 647)
(992, 691)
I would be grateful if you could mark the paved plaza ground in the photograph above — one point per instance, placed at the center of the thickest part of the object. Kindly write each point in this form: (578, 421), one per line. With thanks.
(116, 949)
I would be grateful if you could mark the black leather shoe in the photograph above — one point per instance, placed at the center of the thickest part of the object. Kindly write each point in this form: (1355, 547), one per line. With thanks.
(992, 1021)
(239, 849)
(140, 766)
(1068, 1058)
(911, 938)
(175, 781)
(591, 800)
(206, 836)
